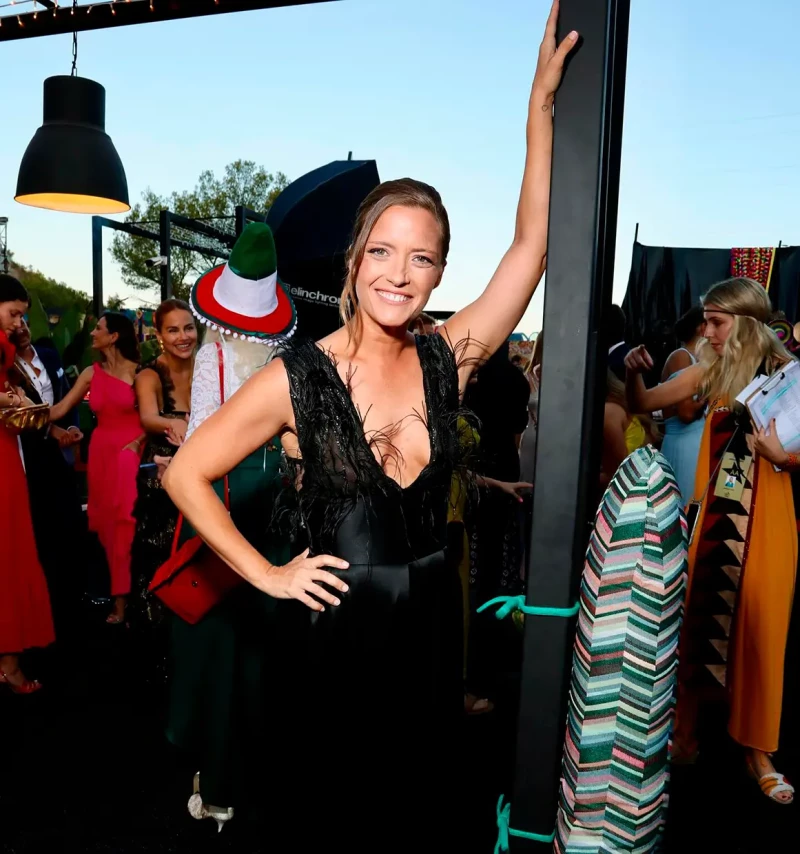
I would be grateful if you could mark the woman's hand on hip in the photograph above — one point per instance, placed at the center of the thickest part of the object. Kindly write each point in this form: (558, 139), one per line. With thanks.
(302, 579)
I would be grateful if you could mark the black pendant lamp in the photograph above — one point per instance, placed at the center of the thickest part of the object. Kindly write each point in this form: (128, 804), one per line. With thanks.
(71, 163)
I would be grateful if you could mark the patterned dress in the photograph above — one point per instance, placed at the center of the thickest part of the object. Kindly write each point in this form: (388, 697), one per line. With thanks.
(742, 569)
(615, 770)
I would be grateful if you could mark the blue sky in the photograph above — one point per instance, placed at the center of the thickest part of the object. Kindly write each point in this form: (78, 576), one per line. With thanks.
(434, 89)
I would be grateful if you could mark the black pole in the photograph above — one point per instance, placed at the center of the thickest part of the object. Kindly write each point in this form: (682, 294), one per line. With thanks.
(97, 265)
(583, 219)
(164, 227)
(243, 215)
(636, 234)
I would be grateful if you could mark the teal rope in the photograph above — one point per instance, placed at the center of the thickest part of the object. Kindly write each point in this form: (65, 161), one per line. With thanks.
(517, 603)
(504, 831)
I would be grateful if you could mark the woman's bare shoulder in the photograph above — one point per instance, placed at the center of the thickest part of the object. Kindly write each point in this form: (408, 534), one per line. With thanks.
(337, 344)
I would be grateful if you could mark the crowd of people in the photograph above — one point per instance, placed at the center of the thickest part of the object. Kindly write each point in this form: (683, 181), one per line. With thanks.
(371, 490)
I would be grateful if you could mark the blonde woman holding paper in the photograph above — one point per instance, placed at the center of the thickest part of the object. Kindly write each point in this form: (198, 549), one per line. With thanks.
(743, 552)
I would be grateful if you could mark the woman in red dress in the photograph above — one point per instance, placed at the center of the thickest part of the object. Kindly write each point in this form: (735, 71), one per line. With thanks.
(25, 618)
(114, 448)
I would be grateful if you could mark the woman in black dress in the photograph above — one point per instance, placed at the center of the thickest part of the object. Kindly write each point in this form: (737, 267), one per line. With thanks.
(163, 394)
(370, 416)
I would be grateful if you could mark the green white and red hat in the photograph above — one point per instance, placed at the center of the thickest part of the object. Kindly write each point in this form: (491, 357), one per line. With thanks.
(244, 297)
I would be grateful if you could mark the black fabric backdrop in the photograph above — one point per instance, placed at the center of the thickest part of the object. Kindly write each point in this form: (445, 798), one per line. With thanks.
(665, 282)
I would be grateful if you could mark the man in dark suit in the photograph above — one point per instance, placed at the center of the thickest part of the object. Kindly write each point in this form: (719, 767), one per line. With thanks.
(42, 366)
(58, 519)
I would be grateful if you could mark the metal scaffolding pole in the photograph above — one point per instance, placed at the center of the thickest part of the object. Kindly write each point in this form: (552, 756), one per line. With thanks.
(165, 244)
(583, 220)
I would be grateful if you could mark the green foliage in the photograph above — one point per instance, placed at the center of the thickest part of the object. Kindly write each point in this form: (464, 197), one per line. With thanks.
(115, 303)
(68, 326)
(38, 321)
(55, 296)
(243, 183)
(149, 350)
(79, 350)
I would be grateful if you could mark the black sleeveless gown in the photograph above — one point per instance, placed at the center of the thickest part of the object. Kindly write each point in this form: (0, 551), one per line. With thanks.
(379, 710)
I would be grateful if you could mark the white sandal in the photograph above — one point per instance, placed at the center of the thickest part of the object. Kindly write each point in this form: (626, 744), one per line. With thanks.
(199, 810)
(772, 784)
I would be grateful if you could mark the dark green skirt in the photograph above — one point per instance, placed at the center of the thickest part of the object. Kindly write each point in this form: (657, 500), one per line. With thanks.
(223, 668)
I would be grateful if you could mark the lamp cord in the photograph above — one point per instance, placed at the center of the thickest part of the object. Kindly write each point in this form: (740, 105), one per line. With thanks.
(74, 44)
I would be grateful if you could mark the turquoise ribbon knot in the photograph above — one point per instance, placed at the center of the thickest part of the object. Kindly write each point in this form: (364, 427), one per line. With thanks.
(504, 831)
(517, 603)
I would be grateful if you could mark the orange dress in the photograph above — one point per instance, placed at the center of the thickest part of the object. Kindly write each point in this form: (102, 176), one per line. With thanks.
(112, 473)
(742, 567)
(25, 618)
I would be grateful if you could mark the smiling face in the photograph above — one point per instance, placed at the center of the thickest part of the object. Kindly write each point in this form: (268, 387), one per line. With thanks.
(402, 264)
(178, 333)
(718, 327)
(11, 314)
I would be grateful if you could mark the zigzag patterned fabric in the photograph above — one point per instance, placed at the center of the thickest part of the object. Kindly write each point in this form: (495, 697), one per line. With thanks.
(615, 772)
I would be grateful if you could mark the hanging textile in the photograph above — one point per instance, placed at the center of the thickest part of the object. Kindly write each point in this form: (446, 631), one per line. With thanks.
(753, 264)
(615, 770)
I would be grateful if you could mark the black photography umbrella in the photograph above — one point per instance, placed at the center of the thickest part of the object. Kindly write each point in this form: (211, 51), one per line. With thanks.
(312, 221)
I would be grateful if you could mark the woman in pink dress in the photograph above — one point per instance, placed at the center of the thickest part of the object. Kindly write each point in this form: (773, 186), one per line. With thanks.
(25, 618)
(114, 448)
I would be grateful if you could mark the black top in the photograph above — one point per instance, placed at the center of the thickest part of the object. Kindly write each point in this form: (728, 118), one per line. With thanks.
(341, 475)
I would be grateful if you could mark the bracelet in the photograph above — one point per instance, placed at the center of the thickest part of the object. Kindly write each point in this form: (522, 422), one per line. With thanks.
(792, 462)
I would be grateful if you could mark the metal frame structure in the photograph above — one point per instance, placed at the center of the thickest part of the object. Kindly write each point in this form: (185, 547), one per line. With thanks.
(163, 237)
(105, 14)
(583, 219)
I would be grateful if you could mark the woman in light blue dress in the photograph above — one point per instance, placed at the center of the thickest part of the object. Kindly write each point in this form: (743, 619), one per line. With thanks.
(683, 424)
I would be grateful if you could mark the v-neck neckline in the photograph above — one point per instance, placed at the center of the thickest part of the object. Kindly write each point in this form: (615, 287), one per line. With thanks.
(358, 421)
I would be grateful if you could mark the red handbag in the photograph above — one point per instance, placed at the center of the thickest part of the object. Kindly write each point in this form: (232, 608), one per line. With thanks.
(195, 579)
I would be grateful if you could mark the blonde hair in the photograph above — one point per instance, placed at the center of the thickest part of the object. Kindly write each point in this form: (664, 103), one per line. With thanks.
(615, 391)
(750, 343)
(405, 192)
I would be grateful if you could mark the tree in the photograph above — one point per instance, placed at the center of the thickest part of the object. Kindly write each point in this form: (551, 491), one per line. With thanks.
(115, 303)
(244, 183)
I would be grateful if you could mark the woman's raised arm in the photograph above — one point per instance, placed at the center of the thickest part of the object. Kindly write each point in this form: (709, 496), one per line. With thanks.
(148, 387)
(260, 410)
(488, 321)
(645, 400)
